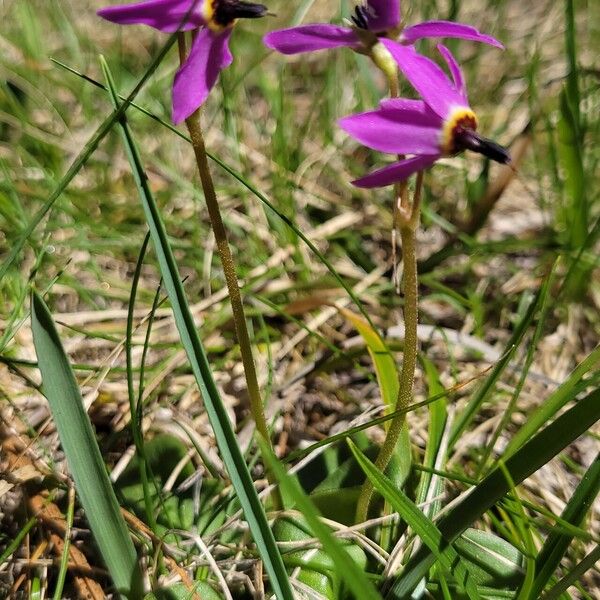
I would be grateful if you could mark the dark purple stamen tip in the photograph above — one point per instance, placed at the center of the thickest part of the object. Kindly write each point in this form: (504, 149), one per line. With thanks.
(226, 11)
(467, 139)
(360, 17)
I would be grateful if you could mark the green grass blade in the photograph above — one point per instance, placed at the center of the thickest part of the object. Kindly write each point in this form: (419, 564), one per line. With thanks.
(574, 574)
(533, 455)
(467, 416)
(356, 580)
(217, 414)
(64, 559)
(81, 159)
(566, 392)
(531, 350)
(83, 455)
(419, 523)
(249, 186)
(557, 542)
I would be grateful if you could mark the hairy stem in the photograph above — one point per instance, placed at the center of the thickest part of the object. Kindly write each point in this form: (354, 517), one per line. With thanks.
(408, 219)
(228, 264)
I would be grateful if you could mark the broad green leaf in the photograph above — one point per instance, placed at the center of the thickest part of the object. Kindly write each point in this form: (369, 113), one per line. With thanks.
(200, 589)
(317, 569)
(83, 455)
(355, 579)
(492, 561)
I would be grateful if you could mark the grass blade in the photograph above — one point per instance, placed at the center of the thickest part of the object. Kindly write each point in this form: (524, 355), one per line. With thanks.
(355, 579)
(249, 186)
(467, 416)
(566, 392)
(83, 455)
(217, 414)
(574, 574)
(419, 523)
(81, 159)
(533, 455)
(557, 542)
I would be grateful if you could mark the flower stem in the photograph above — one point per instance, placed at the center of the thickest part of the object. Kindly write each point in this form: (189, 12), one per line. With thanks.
(408, 220)
(228, 264)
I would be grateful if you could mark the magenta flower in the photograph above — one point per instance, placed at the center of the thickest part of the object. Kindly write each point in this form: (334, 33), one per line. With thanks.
(210, 49)
(371, 20)
(441, 124)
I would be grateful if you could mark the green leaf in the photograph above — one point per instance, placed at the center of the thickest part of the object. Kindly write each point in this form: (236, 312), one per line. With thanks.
(216, 411)
(83, 455)
(528, 459)
(179, 591)
(492, 561)
(558, 541)
(317, 569)
(356, 580)
(420, 524)
(387, 378)
(564, 393)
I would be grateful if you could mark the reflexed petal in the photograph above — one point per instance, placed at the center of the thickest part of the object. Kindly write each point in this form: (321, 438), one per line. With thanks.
(164, 15)
(197, 76)
(427, 78)
(383, 14)
(396, 129)
(455, 70)
(446, 29)
(308, 38)
(396, 172)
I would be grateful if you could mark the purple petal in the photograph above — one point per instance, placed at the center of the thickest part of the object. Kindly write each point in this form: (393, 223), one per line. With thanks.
(164, 15)
(197, 76)
(427, 78)
(308, 38)
(396, 172)
(400, 104)
(455, 70)
(383, 14)
(396, 128)
(446, 29)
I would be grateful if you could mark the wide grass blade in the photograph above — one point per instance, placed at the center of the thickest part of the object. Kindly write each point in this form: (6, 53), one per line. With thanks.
(419, 523)
(558, 541)
(217, 414)
(83, 455)
(354, 578)
(533, 455)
